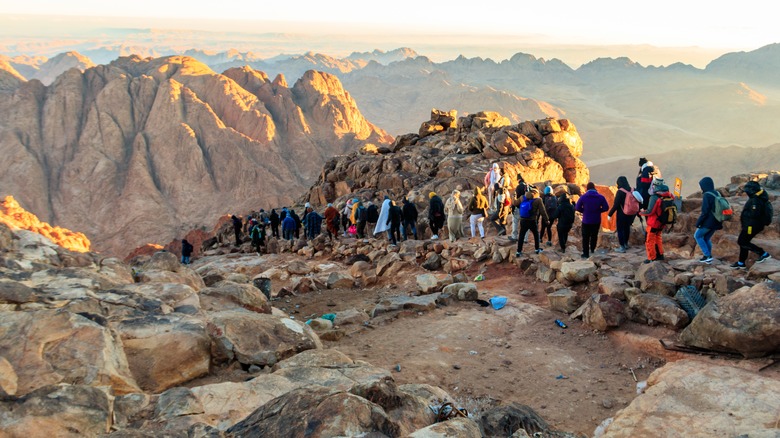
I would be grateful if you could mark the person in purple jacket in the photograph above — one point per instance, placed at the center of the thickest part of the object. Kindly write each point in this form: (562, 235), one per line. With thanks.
(591, 205)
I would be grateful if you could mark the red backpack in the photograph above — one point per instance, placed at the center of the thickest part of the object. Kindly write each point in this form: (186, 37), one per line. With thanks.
(631, 204)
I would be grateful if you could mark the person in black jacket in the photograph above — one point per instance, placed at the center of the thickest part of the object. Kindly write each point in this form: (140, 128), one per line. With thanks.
(410, 218)
(186, 251)
(298, 223)
(753, 219)
(531, 211)
(275, 221)
(237, 228)
(707, 224)
(394, 218)
(565, 216)
(624, 221)
(436, 215)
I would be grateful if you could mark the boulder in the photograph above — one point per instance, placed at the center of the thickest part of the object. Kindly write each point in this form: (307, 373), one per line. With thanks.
(763, 270)
(661, 309)
(545, 274)
(340, 280)
(508, 419)
(316, 358)
(563, 300)
(8, 378)
(433, 262)
(385, 265)
(746, 321)
(177, 402)
(227, 294)
(183, 276)
(700, 399)
(165, 350)
(391, 304)
(656, 278)
(463, 291)
(351, 316)
(359, 268)
(316, 411)
(614, 287)
(257, 338)
(13, 292)
(304, 285)
(60, 346)
(57, 411)
(430, 283)
(297, 267)
(456, 427)
(578, 271)
(174, 295)
(162, 261)
(602, 312)
(320, 325)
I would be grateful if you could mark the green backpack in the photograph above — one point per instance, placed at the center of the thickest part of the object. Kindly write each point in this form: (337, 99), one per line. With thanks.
(722, 209)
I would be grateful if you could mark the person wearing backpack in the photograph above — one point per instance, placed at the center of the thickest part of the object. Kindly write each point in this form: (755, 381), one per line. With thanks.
(707, 224)
(362, 220)
(372, 213)
(454, 210)
(565, 217)
(591, 204)
(661, 211)
(626, 206)
(756, 215)
(410, 218)
(551, 206)
(436, 215)
(531, 210)
(257, 235)
(478, 208)
(520, 190)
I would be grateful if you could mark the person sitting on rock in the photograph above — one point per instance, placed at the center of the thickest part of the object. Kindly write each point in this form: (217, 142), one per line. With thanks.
(410, 218)
(454, 210)
(755, 216)
(565, 219)
(436, 215)
(531, 211)
(394, 218)
(478, 208)
(186, 251)
(591, 204)
(655, 227)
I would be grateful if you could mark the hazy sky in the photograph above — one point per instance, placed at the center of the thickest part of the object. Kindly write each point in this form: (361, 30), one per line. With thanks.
(745, 24)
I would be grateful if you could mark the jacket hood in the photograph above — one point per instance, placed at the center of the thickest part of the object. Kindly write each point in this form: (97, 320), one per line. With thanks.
(707, 184)
(622, 183)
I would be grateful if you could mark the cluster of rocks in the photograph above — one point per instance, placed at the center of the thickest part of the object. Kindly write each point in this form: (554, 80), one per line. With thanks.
(451, 151)
(92, 346)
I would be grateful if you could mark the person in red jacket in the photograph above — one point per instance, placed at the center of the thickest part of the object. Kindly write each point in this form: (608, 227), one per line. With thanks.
(655, 228)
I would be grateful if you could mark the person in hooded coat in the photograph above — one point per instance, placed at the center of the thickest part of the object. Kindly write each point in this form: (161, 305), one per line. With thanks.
(275, 221)
(520, 190)
(591, 204)
(394, 218)
(237, 228)
(288, 228)
(331, 221)
(754, 218)
(454, 211)
(531, 212)
(654, 241)
(383, 225)
(436, 215)
(707, 224)
(410, 218)
(551, 206)
(565, 219)
(298, 223)
(624, 221)
(493, 178)
(186, 251)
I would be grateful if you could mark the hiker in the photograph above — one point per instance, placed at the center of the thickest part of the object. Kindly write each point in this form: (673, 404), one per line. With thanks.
(361, 214)
(410, 218)
(478, 208)
(298, 224)
(644, 179)
(186, 251)
(394, 218)
(331, 221)
(755, 216)
(313, 223)
(707, 224)
(531, 210)
(591, 204)
(551, 206)
(454, 211)
(274, 219)
(383, 224)
(626, 206)
(257, 234)
(435, 214)
(288, 228)
(492, 178)
(520, 190)
(565, 217)
(262, 218)
(372, 214)
(655, 222)
(346, 216)
(237, 229)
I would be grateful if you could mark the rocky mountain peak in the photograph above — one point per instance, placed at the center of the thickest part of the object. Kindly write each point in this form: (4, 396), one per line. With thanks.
(17, 218)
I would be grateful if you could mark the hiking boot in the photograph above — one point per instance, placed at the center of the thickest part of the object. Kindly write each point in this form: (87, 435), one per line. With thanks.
(620, 249)
(706, 259)
(518, 254)
(434, 237)
(763, 257)
(737, 265)
(660, 257)
(538, 251)
(647, 261)
(584, 256)
(549, 243)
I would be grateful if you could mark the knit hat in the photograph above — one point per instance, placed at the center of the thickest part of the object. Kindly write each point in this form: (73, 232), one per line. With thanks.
(431, 195)
(591, 186)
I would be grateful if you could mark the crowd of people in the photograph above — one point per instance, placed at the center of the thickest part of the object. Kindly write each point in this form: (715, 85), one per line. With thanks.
(526, 211)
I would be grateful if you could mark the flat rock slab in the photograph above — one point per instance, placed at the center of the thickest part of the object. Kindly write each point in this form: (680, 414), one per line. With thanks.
(420, 303)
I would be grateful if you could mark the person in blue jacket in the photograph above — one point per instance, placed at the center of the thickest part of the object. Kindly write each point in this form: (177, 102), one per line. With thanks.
(707, 224)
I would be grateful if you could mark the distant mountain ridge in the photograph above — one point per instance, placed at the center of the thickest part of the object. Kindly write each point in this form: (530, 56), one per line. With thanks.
(140, 150)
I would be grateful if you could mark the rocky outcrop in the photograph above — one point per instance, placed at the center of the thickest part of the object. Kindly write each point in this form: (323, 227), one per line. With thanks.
(48, 72)
(170, 144)
(15, 217)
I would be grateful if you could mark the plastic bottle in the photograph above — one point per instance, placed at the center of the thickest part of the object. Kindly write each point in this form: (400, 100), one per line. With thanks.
(560, 323)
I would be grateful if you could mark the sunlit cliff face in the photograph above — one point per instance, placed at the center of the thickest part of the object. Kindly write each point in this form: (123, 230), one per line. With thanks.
(13, 215)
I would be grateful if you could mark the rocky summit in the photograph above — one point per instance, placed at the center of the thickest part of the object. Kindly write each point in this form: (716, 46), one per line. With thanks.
(139, 150)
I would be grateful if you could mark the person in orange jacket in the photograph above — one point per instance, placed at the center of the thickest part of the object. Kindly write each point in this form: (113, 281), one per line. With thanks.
(655, 226)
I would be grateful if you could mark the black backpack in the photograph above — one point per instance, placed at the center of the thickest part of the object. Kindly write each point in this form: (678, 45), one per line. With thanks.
(373, 214)
(550, 204)
(769, 211)
(363, 214)
(668, 211)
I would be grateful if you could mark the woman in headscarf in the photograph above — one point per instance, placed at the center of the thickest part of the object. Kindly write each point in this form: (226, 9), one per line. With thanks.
(454, 211)
(494, 177)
